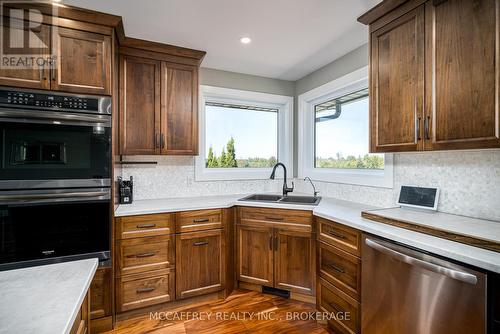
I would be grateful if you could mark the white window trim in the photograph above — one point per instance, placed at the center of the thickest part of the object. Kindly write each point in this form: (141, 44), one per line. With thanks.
(283, 103)
(346, 84)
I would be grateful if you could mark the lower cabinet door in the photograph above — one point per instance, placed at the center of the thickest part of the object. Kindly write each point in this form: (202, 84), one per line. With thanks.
(100, 293)
(145, 289)
(254, 254)
(199, 263)
(294, 261)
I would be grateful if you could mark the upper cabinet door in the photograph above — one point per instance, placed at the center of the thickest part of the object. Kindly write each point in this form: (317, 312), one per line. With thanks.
(397, 84)
(179, 117)
(15, 43)
(83, 62)
(462, 74)
(139, 105)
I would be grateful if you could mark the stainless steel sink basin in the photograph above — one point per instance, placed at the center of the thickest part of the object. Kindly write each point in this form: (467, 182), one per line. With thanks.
(262, 198)
(299, 200)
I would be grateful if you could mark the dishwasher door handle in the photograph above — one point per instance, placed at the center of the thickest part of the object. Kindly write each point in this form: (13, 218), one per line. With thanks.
(452, 273)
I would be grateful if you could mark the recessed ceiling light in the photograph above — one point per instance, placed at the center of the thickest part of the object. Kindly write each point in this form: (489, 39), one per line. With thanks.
(245, 40)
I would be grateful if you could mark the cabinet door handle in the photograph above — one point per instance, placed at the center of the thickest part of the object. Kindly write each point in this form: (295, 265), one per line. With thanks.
(200, 243)
(275, 242)
(53, 70)
(162, 141)
(336, 268)
(426, 128)
(418, 128)
(337, 235)
(140, 255)
(146, 225)
(202, 220)
(157, 140)
(143, 290)
(271, 242)
(274, 218)
(42, 77)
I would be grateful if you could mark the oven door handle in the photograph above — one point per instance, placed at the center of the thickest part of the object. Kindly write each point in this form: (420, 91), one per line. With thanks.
(55, 196)
(452, 273)
(50, 117)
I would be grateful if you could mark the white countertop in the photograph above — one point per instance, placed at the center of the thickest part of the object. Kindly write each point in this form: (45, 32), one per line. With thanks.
(347, 213)
(478, 228)
(44, 299)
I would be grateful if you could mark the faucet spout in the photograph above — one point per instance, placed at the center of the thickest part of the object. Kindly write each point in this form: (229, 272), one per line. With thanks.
(286, 189)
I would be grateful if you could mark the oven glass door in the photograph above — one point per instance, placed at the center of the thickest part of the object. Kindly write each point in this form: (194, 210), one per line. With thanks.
(43, 230)
(53, 150)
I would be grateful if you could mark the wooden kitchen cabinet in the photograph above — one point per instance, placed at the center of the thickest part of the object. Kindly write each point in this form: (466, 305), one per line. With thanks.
(294, 264)
(83, 62)
(140, 106)
(396, 84)
(276, 248)
(35, 77)
(200, 267)
(81, 323)
(179, 112)
(82, 59)
(254, 254)
(159, 102)
(434, 75)
(462, 71)
(101, 301)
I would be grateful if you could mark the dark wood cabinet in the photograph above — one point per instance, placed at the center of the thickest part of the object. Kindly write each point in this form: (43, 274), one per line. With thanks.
(36, 77)
(140, 106)
(179, 117)
(159, 106)
(294, 266)
(396, 84)
(462, 73)
(200, 265)
(276, 248)
(101, 301)
(434, 73)
(254, 254)
(83, 62)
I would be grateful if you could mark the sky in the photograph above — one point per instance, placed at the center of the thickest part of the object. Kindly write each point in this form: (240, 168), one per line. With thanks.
(256, 132)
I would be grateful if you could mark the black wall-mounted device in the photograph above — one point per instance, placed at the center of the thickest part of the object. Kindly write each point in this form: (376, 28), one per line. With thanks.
(125, 190)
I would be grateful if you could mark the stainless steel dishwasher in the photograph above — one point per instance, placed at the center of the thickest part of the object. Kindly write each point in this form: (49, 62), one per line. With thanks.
(410, 292)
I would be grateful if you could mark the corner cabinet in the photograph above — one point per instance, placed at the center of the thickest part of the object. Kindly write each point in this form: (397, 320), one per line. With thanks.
(159, 106)
(434, 69)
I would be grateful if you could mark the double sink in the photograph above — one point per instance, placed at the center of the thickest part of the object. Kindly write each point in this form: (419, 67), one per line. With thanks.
(267, 198)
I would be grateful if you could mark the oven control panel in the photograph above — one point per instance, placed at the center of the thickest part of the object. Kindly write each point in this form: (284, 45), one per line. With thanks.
(48, 101)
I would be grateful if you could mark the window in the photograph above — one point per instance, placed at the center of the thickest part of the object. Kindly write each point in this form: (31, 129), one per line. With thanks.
(334, 135)
(243, 134)
(240, 136)
(341, 133)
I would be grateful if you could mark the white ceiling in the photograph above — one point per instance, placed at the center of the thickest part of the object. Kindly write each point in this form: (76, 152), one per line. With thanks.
(290, 38)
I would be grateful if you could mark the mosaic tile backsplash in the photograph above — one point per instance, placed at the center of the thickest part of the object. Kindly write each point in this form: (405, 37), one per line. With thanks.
(469, 181)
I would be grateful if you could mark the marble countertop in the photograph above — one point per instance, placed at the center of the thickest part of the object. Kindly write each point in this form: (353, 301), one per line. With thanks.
(44, 299)
(344, 212)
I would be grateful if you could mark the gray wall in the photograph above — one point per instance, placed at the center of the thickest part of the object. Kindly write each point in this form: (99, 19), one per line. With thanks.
(248, 82)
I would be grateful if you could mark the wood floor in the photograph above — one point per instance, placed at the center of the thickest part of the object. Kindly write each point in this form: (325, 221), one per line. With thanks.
(242, 312)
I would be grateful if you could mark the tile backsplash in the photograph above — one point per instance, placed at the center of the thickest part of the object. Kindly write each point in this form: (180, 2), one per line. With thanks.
(469, 181)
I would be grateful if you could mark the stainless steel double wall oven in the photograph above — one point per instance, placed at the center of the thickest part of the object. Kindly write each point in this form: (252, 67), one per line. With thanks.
(55, 169)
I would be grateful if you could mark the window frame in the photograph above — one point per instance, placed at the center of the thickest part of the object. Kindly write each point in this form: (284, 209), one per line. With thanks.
(283, 103)
(344, 85)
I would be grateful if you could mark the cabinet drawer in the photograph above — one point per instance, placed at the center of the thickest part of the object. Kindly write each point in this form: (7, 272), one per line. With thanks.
(144, 226)
(139, 290)
(340, 236)
(346, 309)
(191, 221)
(144, 254)
(340, 268)
(282, 216)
